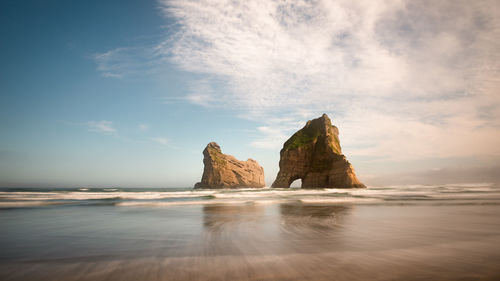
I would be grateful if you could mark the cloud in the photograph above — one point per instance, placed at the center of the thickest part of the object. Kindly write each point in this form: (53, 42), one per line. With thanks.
(402, 79)
(160, 140)
(474, 174)
(143, 127)
(273, 137)
(294, 53)
(104, 127)
(128, 61)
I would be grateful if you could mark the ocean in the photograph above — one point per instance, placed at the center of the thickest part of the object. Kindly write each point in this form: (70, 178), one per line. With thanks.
(416, 232)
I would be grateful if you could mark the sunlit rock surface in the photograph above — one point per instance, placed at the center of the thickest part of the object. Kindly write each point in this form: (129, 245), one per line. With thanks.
(313, 154)
(225, 171)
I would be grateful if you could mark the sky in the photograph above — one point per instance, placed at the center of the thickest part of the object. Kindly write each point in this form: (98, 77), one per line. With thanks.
(128, 93)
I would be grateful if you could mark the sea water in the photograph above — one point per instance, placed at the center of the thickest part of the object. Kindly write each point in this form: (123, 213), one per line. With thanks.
(445, 232)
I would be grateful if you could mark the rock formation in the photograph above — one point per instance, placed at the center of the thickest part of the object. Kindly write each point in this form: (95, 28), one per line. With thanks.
(313, 154)
(225, 171)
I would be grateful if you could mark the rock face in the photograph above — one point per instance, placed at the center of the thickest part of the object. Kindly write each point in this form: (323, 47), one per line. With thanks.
(225, 171)
(313, 154)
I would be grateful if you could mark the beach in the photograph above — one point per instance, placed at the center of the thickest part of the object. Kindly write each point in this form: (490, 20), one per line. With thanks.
(449, 232)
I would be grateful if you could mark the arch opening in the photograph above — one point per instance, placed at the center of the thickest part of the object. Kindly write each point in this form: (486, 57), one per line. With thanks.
(297, 183)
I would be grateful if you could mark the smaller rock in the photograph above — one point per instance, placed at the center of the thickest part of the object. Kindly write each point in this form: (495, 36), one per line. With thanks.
(225, 171)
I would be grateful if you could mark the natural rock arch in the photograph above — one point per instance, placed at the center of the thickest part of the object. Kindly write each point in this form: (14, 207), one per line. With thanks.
(313, 154)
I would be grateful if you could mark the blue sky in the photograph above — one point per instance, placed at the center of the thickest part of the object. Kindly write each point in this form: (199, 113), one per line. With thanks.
(128, 93)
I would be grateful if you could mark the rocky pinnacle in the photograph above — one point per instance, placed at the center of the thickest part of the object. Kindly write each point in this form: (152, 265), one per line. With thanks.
(225, 171)
(313, 154)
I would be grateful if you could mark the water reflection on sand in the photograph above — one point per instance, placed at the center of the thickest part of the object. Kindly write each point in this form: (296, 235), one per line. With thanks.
(288, 241)
(276, 229)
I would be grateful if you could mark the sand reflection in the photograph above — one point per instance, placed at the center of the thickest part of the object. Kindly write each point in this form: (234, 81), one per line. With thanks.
(277, 229)
(257, 242)
(218, 217)
(328, 215)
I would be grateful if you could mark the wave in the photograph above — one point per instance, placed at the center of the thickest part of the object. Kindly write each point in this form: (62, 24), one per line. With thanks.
(339, 200)
(476, 193)
(179, 203)
(99, 195)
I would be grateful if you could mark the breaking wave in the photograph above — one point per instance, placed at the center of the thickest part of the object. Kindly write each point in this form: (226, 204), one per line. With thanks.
(411, 194)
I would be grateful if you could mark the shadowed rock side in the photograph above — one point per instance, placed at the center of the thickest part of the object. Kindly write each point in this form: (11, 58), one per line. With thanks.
(225, 171)
(313, 154)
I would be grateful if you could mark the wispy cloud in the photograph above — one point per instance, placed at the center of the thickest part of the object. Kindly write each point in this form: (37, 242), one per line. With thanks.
(473, 174)
(272, 136)
(402, 79)
(127, 61)
(160, 140)
(173, 100)
(143, 127)
(200, 92)
(104, 127)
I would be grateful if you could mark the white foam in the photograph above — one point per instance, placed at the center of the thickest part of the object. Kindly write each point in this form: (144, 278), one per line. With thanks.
(339, 200)
(100, 195)
(255, 196)
(11, 204)
(181, 203)
(278, 193)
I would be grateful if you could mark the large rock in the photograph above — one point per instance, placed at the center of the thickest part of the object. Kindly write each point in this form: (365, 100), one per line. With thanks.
(225, 171)
(313, 154)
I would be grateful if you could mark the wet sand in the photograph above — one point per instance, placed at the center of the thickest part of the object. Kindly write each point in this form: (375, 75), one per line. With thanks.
(292, 241)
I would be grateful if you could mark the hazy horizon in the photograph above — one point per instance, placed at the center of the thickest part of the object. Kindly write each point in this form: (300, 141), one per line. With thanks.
(129, 93)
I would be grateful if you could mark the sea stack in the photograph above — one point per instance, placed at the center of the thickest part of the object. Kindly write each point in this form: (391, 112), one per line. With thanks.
(225, 171)
(313, 154)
